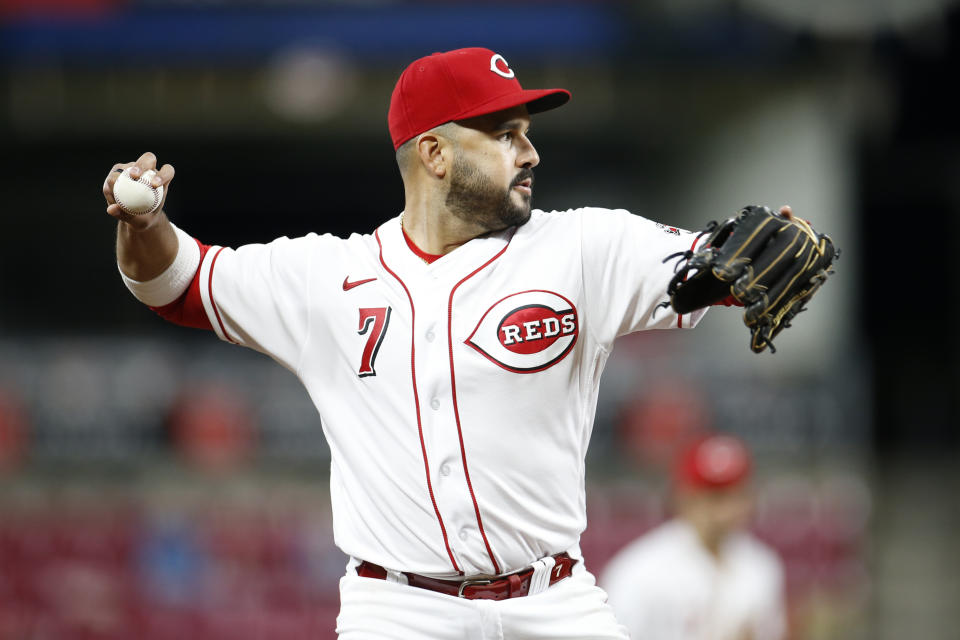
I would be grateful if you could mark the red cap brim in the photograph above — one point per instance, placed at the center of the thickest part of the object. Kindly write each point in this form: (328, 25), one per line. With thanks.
(537, 101)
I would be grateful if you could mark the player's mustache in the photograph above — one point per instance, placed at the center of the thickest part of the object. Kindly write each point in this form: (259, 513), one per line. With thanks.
(524, 174)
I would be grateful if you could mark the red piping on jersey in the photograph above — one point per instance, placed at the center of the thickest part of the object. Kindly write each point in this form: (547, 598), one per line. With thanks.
(429, 258)
(680, 316)
(416, 400)
(456, 409)
(213, 304)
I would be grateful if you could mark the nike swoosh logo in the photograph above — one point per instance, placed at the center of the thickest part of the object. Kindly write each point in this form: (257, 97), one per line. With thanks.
(347, 285)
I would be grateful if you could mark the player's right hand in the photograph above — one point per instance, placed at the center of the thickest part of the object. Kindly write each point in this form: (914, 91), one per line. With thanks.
(143, 164)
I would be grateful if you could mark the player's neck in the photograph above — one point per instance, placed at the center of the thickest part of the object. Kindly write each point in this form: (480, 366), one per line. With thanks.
(429, 258)
(435, 230)
(710, 538)
(713, 545)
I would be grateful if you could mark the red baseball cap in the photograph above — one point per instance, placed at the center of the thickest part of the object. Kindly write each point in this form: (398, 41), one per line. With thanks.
(459, 84)
(715, 461)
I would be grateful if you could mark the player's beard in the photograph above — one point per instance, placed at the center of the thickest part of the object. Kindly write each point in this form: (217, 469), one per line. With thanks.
(474, 198)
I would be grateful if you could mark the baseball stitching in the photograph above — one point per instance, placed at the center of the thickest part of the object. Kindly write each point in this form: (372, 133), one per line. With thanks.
(156, 196)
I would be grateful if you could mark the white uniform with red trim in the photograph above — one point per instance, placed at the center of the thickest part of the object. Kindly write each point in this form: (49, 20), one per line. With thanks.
(666, 586)
(457, 397)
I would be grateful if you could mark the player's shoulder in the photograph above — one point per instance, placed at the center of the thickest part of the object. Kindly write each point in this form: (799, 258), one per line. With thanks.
(753, 550)
(540, 218)
(670, 534)
(546, 226)
(298, 252)
(658, 545)
(553, 216)
(328, 241)
(650, 554)
(286, 246)
(570, 222)
(602, 220)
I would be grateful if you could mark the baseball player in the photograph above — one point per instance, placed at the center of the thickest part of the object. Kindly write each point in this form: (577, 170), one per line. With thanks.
(700, 576)
(454, 355)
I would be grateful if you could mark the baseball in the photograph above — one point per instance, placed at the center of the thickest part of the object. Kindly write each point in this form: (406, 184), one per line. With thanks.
(137, 197)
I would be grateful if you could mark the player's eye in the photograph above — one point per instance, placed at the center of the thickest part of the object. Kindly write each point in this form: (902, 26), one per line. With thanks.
(510, 135)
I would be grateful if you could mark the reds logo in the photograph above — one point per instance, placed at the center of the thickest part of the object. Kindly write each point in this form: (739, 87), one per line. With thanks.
(527, 332)
(495, 61)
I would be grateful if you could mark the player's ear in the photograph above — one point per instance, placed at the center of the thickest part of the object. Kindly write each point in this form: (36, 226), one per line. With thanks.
(432, 151)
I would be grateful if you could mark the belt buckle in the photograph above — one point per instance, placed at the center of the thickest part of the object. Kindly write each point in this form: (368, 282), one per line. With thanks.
(472, 583)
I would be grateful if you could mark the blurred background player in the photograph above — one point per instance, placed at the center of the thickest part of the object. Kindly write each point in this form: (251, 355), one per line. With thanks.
(701, 575)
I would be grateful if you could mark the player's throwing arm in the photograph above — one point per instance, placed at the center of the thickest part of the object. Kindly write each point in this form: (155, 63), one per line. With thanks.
(135, 194)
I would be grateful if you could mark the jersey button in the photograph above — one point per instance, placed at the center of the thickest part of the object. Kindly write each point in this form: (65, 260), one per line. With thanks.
(435, 404)
(464, 534)
(430, 335)
(444, 469)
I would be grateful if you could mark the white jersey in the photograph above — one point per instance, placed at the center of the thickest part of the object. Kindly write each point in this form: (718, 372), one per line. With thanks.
(666, 586)
(457, 397)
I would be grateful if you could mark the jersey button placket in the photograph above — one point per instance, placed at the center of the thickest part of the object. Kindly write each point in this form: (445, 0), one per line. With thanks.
(451, 492)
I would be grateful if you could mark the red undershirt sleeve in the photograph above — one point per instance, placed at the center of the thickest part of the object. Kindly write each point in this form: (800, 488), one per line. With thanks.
(187, 310)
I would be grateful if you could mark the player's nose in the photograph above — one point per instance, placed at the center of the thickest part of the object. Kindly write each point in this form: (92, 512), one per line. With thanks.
(528, 157)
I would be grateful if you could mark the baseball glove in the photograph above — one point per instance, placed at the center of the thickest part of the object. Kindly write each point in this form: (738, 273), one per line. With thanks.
(769, 263)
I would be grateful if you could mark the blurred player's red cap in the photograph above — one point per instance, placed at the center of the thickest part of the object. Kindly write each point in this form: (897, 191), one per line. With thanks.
(715, 461)
(459, 84)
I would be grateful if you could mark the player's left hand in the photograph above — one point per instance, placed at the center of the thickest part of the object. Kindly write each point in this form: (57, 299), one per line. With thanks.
(771, 263)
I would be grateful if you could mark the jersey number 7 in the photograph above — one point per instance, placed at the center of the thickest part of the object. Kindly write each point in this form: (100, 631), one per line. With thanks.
(373, 322)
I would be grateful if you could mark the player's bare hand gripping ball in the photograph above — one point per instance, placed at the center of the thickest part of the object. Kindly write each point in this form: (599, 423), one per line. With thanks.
(135, 191)
(147, 243)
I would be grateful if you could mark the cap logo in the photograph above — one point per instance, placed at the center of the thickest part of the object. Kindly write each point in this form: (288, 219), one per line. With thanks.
(506, 71)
